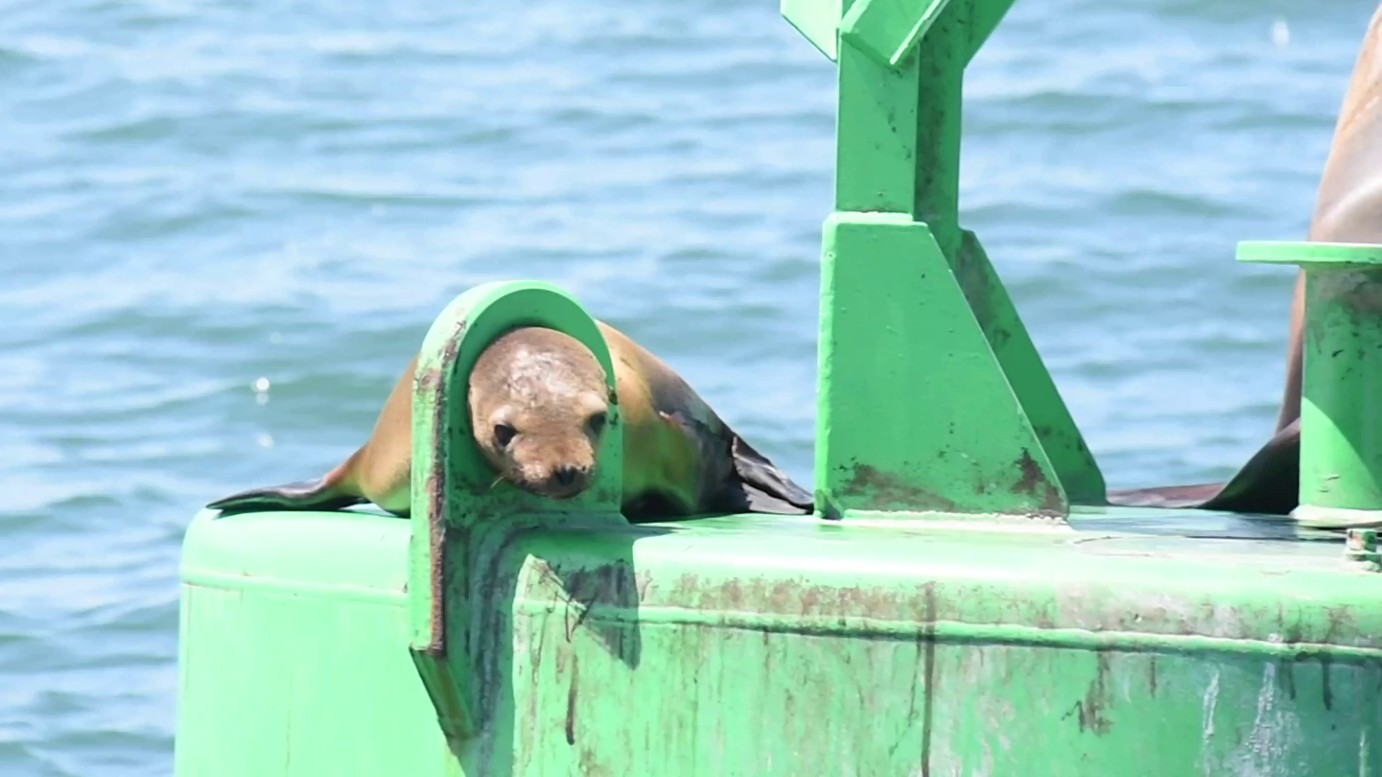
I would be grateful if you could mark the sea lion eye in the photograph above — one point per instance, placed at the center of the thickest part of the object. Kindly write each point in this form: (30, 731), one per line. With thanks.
(503, 435)
(596, 422)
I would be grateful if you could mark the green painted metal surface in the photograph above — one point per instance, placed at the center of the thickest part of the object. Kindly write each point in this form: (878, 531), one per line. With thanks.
(293, 650)
(936, 426)
(1120, 644)
(1340, 420)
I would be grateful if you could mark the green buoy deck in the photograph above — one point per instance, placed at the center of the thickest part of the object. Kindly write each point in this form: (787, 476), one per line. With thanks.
(1200, 643)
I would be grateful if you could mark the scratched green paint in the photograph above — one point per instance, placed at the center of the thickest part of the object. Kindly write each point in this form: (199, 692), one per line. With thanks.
(888, 30)
(765, 645)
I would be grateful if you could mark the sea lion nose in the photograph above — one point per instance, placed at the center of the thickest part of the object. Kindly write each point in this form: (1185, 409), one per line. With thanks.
(566, 474)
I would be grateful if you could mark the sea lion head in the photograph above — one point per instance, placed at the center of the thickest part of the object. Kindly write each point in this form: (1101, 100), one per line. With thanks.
(538, 406)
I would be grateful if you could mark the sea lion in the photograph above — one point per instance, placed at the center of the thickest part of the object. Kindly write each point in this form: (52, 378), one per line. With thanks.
(538, 401)
(1348, 209)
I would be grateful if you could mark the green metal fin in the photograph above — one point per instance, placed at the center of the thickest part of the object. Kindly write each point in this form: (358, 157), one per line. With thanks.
(817, 20)
(889, 30)
(916, 414)
(1007, 336)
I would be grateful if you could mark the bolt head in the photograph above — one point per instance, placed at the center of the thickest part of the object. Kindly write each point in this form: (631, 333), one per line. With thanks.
(1361, 540)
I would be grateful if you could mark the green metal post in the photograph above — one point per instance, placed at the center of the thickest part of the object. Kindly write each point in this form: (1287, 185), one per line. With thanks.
(1340, 421)
(932, 396)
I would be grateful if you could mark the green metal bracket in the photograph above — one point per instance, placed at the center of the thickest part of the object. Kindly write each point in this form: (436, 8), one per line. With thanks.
(1360, 549)
(1340, 426)
(820, 22)
(932, 396)
(460, 513)
(888, 30)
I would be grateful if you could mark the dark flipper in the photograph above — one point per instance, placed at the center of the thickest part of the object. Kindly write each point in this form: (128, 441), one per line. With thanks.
(755, 484)
(767, 489)
(1269, 483)
(1166, 496)
(303, 495)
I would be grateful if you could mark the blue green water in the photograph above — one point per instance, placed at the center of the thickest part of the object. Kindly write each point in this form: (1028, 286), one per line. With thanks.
(225, 227)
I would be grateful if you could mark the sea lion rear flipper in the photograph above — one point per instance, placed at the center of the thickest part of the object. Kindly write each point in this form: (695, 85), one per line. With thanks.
(1181, 497)
(754, 484)
(302, 495)
(766, 488)
(1268, 483)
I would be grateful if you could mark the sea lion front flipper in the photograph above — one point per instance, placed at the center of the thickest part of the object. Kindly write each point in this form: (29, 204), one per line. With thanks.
(767, 489)
(302, 495)
(1269, 483)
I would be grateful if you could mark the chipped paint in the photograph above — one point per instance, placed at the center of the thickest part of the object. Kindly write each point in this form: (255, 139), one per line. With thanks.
(870, 484)
(1034, 483)
(1211, 701)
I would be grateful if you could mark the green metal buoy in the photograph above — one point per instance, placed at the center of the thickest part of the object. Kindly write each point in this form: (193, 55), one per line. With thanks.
(965, 603)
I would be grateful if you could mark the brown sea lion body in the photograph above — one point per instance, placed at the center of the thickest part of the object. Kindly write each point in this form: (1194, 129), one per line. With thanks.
(1348, 209)
(538, 400)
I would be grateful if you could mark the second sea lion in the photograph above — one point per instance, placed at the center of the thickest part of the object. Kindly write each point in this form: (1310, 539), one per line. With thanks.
(538, 401)
(1348, 209)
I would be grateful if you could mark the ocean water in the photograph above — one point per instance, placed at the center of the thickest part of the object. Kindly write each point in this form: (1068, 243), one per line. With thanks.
(225, 228)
